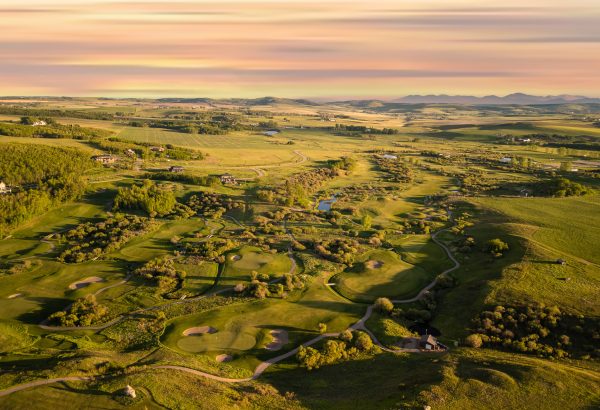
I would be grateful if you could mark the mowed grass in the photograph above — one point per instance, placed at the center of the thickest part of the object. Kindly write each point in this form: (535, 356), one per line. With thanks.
(45, 289)
(239, 323)
(381, 273)
(240, 264)
(199, 278)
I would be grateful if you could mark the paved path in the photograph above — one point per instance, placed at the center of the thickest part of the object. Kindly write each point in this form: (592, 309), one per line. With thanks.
(36, 383)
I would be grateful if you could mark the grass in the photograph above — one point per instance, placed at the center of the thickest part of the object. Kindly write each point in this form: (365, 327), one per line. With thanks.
(381, 273)
(538, 231)
(252, 259)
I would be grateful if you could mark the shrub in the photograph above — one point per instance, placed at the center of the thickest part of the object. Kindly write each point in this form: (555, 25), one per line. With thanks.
(474, 340)
(384, 305)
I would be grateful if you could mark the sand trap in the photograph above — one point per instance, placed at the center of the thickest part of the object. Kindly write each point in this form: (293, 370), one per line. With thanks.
(14, 295)
(236, 258)
(280, 338)
(200, 330)
(85, 282)
(222, 358)
(372, 264)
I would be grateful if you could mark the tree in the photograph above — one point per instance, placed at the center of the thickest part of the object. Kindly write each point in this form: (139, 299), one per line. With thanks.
(566, 166)
(384, 305)
(346, 335)
(367, 221)
(474, 340)
(363, 342)
(322, 328)
(496, 246)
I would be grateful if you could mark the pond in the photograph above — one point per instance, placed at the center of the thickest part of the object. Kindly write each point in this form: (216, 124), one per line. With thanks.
(326, 204)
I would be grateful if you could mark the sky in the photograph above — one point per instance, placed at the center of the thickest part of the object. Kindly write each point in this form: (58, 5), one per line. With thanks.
(300, 49)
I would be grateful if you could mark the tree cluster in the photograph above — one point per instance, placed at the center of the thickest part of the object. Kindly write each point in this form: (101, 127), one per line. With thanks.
(538, 329)
(149, 197)
(335, 351)
(340, 250)
(83, 312)
(90, 240)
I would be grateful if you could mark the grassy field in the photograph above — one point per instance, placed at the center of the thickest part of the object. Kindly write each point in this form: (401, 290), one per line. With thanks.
(381, 274)
(151, 316)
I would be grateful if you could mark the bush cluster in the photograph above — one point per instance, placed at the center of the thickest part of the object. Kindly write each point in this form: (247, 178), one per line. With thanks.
(90, 240)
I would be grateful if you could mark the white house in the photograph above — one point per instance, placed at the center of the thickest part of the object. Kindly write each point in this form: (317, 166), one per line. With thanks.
(506, 160)
(39, 123)
(270, 133)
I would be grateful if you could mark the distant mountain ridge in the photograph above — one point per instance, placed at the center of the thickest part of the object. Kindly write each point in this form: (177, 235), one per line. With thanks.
(515, 98)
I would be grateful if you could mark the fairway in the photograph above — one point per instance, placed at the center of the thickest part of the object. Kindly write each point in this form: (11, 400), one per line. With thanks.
(378, 274)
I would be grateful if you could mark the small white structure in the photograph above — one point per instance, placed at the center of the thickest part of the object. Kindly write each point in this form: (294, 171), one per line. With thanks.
(129, 391)
(506, 160)
(271, 133)
(390, 156)
(4, 189)
(39, 123)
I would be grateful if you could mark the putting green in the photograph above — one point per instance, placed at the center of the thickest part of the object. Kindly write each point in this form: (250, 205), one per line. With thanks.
(380, 273)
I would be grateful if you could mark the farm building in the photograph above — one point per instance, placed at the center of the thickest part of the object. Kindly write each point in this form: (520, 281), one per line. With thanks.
(39, 123)
(428, 342)
(271, 133)
(157, 149)
(176, 169)
(4, 189)
(129, 152)
(105, 159)
(390, 156)
(228, 179)
(506, 160)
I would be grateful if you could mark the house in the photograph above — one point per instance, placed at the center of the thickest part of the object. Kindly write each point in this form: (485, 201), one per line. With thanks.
(157, 149)
(271, 133)
(428, 342)
(506, 160)
(130, 153)
(105, 159)
(228, 179)
(4, 189)
(176, 169)
(389, 156)
(39, 123)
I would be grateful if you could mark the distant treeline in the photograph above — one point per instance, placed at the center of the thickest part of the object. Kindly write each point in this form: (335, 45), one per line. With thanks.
(45, 112)
(52, 131)
(198, 124)
(343, 129)
(207, 180)
(42, 177)
(142, 149)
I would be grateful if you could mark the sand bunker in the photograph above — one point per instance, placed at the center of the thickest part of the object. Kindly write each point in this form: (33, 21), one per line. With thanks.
(85, 282)
(372, 264)
(222, 358)
(236, 258)
(280, 338)
(200, 330)
(14, 295)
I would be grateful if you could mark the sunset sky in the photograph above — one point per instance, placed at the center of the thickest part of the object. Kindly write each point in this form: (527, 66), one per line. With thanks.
(314, 49)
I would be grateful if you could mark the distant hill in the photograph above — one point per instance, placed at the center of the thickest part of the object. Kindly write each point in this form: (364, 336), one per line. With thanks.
(516, 98)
